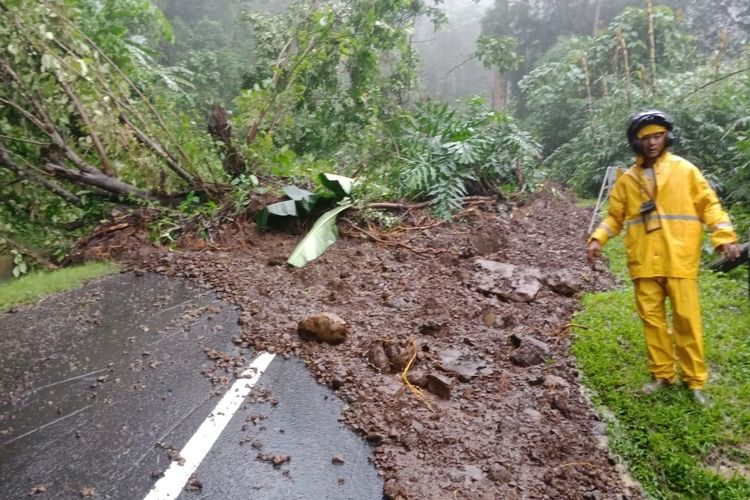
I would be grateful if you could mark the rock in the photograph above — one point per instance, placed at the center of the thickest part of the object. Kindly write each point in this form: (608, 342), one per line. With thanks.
(517, 340)
(499, 473)
(417, 377)
(555, 382)
(396, 303)
(37, 488)
(472, 473)
(533, 415)
(563, 282)
(399, 353)
(323, 327)
(542, 346)
(484, 244)
(488, 317)
(418, 427)
(377, 358)
(391, 357)
(455, 361)
(374, 437)
(434, 329)
(337, 460)
(439, 385)
(509, 282)
(526, 356)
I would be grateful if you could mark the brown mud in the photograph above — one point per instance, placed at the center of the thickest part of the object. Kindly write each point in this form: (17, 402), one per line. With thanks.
(474, 314)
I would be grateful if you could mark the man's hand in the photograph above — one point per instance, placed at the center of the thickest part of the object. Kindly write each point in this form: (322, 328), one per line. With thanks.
(594, 251)
(730, 251)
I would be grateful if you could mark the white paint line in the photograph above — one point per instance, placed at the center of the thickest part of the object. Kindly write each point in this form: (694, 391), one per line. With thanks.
(176, 477)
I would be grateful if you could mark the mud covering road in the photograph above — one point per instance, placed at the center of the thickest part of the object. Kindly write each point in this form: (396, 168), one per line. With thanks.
(474, 315)
(103, 386)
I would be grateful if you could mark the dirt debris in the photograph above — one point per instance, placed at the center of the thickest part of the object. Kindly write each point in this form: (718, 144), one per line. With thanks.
(490, 342)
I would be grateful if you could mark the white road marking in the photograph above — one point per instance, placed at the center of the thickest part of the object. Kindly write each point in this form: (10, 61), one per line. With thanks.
(176, 477)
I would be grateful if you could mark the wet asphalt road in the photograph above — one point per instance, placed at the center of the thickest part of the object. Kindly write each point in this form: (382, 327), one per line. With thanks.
(100, 386)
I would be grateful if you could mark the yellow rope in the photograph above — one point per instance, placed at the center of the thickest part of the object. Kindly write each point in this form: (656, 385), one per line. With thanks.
(419, 393)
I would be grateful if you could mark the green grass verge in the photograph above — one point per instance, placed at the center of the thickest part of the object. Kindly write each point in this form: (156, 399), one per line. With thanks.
(31, 287)
(670, 443)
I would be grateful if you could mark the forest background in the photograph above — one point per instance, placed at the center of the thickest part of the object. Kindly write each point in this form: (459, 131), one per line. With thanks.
(191, 110)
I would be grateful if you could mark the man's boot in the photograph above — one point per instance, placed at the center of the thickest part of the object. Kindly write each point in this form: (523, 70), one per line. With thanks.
(655, 385)
(701, 397)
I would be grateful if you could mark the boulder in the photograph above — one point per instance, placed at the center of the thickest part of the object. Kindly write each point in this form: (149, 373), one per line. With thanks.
(507, 281)
(323, 327)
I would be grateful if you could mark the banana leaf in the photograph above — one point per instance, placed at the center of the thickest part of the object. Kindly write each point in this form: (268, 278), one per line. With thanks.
(301, 203)
(322, 235)
(340, 186)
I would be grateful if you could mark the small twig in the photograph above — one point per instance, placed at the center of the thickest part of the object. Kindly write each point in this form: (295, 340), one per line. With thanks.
(572, 464)
(433, 251)
(679, 99)
(48, 424)
(27, 141)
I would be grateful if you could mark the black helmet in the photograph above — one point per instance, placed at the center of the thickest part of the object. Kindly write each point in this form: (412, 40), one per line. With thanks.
(650, 117)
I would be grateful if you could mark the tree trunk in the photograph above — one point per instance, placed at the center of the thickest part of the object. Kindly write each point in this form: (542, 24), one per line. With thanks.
(159, 151)
(499, 91)
(221, 130)
(597, 19)
(652, 44)
(99, 180)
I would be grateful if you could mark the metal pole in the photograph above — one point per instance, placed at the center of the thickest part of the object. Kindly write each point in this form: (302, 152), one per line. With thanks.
(598, 202)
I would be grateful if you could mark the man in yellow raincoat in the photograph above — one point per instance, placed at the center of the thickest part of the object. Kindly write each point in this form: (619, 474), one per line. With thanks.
(662, 203)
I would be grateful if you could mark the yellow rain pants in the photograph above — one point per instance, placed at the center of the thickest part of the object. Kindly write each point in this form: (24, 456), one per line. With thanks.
(686, 339)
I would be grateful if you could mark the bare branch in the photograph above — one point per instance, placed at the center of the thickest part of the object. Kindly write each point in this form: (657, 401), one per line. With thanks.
(156, 148)
(7, 162)
(133, 86)
(27, 141)
(98, 146)
(99, 180)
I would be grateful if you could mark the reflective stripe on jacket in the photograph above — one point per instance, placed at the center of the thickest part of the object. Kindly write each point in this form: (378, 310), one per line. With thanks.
(684, 201)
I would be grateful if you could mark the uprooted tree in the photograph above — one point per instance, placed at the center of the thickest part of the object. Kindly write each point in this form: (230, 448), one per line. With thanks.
(88, 116)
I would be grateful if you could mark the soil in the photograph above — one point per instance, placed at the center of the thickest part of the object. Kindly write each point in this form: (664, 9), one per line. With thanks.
(465, 390)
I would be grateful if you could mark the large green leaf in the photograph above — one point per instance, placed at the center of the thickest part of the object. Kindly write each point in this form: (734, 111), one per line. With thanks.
(322, 235)
(341, 186)
(301, 203)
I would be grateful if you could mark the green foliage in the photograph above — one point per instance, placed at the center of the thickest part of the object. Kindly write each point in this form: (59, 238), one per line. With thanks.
(583, 135)
(668, 442)
(445, 153)
(498, 52)
(70, 70)
(38, 284)
(326, 71)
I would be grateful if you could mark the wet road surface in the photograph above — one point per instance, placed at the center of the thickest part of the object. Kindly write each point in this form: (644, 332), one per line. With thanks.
(101, 387)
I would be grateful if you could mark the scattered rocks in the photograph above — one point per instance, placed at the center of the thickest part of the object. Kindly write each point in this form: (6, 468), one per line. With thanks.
(496, 431)
(276, 460)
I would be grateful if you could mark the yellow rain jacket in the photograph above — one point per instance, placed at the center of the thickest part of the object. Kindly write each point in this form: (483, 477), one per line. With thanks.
(684, 202)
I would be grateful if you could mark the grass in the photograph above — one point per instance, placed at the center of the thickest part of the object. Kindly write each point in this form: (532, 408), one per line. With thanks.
(35, 285)
(667, 440)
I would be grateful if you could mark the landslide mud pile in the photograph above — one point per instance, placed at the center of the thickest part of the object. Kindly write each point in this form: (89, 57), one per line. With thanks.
(455, 364)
